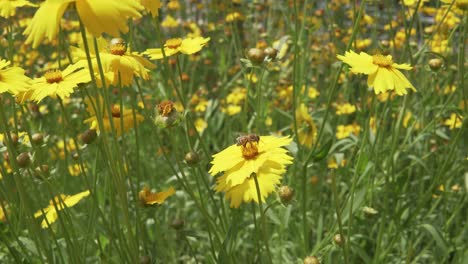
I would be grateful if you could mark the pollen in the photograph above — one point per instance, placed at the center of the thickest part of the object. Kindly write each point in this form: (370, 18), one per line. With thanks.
(53, 76)
(250, 150)
(173, 43)
(382, 61)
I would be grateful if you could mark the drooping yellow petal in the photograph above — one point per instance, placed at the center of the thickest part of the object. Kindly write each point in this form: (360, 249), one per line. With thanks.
(45, 22)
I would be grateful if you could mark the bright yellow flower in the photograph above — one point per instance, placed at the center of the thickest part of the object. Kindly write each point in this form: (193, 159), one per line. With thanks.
(75, 169)
(169, 22)
(59, 83)
(176, 45)
(8, 7)
(307, 130)
(127, 116)
(12, 79)
(115, 60)
(109, 16)
(147, 197)
(57, 204)
(454, 121)
(458, 5)
(346, 131)
(345, 109)
(152, 6)
(383, 72)
(262, 156)
(200, 125)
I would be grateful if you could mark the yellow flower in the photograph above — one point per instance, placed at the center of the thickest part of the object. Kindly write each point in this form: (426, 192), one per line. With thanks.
(176, 45)
(169, 22)
(313, 93)
(383, 72)
(345, 109)
(109, 16)
(254, 156)
(458, 5)
(307, 130)
(2, 212)
(454, 121)
(51, 212)
(152, 6)
(59, 83)
(8, 7)
(200, 125)
(346, 131)
(12, 79)
(147, 197)
(116, 60)
(128, 122)
(75, 169)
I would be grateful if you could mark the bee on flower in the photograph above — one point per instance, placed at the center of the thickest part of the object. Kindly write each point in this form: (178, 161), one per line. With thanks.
(252, 159)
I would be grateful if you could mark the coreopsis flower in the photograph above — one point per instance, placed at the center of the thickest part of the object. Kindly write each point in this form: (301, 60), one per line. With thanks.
(147, 197)
(116, 61)
(103, 16)
(260, 157)
(12, 79)
(345, 109)
(173, 46)
(152, 6)
(454, 121)
(8, 7)
(346, 131)
(384, 74)
(50, 213)
(459, 6)
(57, 83)
(129, 120)
(167, 115)
(306, 128)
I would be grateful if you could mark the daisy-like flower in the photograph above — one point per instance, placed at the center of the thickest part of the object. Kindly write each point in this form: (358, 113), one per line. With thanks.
(307, 130)
(384, 74)
(12, 79)
(51, 212)
(459, 5)
(116, 60)
(109, 16)
(173, 46)
(8, 7)
(59, 83)
(117, 114)
(147, 197)
(454, 121)
(152, 6)
(253, 156)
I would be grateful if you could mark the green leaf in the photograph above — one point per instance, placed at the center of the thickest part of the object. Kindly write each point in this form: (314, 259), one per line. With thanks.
(437, 236)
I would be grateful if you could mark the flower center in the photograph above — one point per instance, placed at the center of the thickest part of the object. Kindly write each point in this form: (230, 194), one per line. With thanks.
(250, 149)
(381, 60)
(117, 46)
(165, 107)
(53, 76)
(173, 43)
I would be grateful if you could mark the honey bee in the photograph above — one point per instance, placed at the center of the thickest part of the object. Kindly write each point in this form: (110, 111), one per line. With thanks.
(243, 140)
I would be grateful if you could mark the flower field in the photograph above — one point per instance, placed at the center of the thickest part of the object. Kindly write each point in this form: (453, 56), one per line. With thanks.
(243, 131)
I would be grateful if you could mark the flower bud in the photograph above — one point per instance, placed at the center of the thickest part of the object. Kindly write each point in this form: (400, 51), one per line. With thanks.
(116, 111)
(192, 158)
(311, 260)
(37, 138)
(177, 224)
(338, 239)
(89, 136)
(42, 170)
(286, 194)
(166, 115)
(271, 52)
(435, 64)
(23, 160)
(256, 55)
